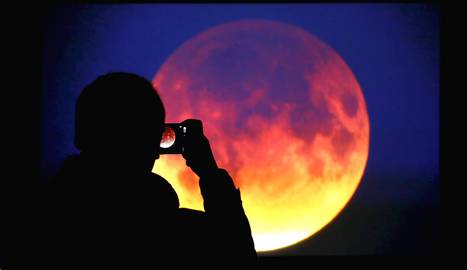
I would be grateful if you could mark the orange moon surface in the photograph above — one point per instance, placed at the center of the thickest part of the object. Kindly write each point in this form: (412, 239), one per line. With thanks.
(285, 117)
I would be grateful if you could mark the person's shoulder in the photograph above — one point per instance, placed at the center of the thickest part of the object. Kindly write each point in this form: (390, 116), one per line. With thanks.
(164, 189)
(157, 180)
(66, 172)
(156, 177)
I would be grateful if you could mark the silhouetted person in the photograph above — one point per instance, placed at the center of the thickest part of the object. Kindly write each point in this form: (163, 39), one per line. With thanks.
(106, 207)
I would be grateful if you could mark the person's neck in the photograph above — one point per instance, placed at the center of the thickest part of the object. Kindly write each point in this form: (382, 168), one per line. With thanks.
(112, 163)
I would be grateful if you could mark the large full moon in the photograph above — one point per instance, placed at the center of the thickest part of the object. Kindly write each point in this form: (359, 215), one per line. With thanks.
(285, 116)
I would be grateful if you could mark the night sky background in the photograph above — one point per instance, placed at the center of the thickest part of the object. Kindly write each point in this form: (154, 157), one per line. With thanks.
(393, 50)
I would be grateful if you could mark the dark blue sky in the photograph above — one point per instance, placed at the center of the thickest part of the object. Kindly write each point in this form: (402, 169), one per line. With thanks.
(393, 50)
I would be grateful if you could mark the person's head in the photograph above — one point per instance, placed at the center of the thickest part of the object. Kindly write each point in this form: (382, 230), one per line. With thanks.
(120, 116)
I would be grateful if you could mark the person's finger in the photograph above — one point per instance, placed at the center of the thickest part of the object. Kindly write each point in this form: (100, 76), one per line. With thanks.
(195, 126)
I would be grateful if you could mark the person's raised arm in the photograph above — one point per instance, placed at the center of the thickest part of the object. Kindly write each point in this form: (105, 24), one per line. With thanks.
(222, 200)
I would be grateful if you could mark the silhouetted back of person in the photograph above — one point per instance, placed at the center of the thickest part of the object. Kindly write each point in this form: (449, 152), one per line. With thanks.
(106, 207)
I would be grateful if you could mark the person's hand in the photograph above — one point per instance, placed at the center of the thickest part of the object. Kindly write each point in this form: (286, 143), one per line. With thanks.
(197, 150)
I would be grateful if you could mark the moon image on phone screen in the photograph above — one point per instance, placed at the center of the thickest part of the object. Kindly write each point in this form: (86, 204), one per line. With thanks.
(168, 137)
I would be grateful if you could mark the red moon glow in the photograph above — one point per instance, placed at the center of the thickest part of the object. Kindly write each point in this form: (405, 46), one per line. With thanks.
(168, 137)
(285, 116)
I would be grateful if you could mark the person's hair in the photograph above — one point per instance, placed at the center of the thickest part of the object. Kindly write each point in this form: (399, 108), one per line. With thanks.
(118, 110)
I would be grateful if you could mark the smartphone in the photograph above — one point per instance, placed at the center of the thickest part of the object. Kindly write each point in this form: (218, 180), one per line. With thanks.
(173, 138)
